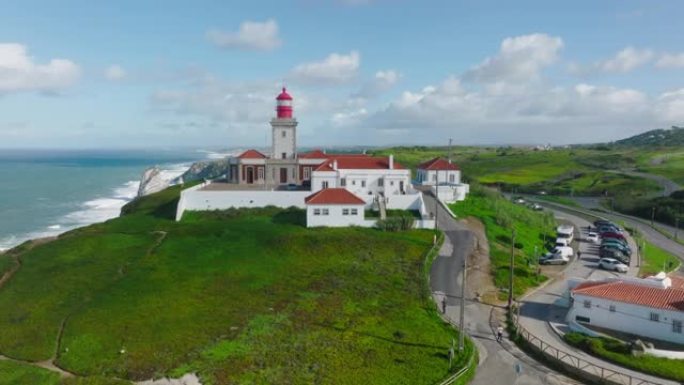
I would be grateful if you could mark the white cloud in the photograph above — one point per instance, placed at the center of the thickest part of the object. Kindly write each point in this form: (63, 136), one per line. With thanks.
(334, 69)
(252, 35)
(669, 60)
(381, 82)
(19, 72)
(520, 59)
(114, 72)
(626, 60)
(670, 106)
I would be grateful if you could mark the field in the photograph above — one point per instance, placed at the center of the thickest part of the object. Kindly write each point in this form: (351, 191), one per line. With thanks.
(619, 353)
(655, 260)
(238, 296)
(499, 216)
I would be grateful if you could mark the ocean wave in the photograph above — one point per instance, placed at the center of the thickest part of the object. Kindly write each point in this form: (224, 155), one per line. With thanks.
(96, 210)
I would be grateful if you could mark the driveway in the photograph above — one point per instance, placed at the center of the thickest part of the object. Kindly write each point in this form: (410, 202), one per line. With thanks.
(500, 363)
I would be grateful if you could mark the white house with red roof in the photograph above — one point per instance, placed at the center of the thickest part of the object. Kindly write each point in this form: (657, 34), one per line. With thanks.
(335, 207)
(651, 307)
(287, 178)
(444, 177)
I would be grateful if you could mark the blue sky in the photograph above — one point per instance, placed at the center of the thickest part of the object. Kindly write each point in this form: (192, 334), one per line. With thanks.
(138, 74)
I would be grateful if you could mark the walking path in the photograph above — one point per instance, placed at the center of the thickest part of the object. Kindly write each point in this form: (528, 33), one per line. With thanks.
(500, 362)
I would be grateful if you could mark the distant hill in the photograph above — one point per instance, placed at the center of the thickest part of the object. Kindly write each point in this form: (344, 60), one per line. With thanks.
(660, 137)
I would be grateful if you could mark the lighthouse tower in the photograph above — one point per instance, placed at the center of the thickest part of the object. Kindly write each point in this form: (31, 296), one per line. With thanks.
(284, 129)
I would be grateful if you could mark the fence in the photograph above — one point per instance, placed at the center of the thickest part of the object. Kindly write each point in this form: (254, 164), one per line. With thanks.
(579, 366)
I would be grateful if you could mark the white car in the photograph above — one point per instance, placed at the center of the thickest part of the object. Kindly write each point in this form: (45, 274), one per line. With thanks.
(613, 265)
(593, 237)
(565, 251)
(554, 258)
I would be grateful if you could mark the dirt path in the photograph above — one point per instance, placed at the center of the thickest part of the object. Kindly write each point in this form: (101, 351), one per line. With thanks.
(480, 278)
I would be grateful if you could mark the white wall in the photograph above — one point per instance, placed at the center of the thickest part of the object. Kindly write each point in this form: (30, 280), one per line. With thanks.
(453, 193)
(430, 177)
(335, 218)
(629, 318)
(364, 182)
(192, 199)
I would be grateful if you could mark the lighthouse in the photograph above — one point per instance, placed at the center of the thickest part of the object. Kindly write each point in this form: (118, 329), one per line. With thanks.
(284, 128)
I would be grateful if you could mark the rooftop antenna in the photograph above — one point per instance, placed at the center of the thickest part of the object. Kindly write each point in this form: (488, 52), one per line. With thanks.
(449, 150)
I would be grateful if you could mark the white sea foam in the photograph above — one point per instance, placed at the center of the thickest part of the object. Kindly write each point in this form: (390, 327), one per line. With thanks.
(96, 210)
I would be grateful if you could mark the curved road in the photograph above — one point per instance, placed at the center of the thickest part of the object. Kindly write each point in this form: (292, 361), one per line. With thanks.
(498, 360)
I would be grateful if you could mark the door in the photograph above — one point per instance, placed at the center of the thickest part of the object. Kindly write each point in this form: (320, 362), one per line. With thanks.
(401, 186)
(283, 175)
(250, 175)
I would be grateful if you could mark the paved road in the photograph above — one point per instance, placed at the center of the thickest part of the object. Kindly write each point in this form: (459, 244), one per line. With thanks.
(498, 361)
(549, 305)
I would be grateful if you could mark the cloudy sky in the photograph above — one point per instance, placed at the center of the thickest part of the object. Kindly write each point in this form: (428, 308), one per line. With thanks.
(369, 72)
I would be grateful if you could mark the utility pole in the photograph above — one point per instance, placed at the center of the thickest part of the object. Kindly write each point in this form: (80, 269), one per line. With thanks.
(676, 227)
(461, 334)
(653, 216)
(510, 278)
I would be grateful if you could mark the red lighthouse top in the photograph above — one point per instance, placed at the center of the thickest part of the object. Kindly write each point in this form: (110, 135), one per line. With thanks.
(284, 105)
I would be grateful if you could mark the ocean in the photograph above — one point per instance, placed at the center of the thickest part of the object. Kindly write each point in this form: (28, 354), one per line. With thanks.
(46, 192)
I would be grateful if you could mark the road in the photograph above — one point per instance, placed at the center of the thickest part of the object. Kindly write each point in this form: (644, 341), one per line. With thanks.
(669, 186)
(498, 361)
(548, 306)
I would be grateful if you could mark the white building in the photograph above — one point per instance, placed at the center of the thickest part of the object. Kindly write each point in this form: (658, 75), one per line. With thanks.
(650, 307)
(285, 178)
(445, 179)
(335, 207)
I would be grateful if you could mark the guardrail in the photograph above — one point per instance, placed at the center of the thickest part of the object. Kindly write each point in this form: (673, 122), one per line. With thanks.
(577, 365)
(454, 377)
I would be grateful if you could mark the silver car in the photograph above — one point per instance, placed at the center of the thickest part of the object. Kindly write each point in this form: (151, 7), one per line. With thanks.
(613, 265)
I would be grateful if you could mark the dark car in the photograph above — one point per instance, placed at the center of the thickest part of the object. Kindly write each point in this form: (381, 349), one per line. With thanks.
(622, 249)
(616, 241)
(615, 255)
(603, 222)
(609, 229)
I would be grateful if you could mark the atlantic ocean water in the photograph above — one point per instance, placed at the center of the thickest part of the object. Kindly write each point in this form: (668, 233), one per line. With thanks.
(46, 192)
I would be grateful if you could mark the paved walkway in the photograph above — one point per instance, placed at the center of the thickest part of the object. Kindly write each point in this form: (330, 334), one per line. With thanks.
(498, 361)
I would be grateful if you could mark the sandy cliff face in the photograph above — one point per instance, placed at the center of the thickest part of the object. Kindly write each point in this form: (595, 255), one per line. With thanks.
(154, 179)
(151, 182)
(210, 169)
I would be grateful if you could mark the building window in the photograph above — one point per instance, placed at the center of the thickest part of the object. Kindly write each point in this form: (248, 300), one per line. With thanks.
(317, 211)
(612, 308)
(391, 183)
(343, 182)
(452, 178)
(677, 326)
(260, 173)
(363, 183)
(284, 154)
(345, 211)
(655, 317)
(356, 212)
(307, 172)
(353, 183)
(587, 303)
(284, 133)
(381, 182)
(434, 177)
(325, 212)
(324, 184)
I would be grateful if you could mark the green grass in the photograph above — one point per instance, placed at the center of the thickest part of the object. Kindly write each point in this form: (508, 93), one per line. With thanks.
(12, 373)
(6, 264)
(558, 199)
(238, 296)
(499, 216)
(619, 353)
(654, 260)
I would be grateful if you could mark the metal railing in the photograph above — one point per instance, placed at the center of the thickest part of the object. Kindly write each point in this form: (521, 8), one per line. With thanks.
(578, 365)
(454, 377)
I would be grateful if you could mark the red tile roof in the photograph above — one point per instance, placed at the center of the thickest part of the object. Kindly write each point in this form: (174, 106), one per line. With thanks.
(363, 162)
(252, 154)
(315, 154)
(438, 164)
(335, 196)
(671, 298)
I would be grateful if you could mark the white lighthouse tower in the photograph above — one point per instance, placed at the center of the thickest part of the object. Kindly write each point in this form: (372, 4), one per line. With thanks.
(284, 129)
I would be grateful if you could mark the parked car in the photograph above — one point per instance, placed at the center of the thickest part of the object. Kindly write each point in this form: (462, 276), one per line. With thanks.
(566, 251)
(536, 207)
(609, 229)
(602, 222)
(612, 235)
(613, 265)
(552, 258)
(592, 237)
(562, 242)
(615, 254)
(565, 231)
(518, 200)
(620, 241)
(612, 246)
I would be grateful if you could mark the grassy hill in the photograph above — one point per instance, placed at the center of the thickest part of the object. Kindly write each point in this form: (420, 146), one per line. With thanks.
(238, 296)
(656, 138)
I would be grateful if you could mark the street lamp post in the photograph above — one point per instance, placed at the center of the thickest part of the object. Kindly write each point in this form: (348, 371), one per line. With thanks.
(510, 278)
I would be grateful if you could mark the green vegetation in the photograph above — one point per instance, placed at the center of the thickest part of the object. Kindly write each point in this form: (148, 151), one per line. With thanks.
(500, 216)
(654, 260)
(668, 210)
(6, 264)
(12, 373)
(619, 353)
(238, 296)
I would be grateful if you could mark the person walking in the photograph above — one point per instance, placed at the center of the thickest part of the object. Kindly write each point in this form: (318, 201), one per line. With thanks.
(499, 333)
(444, 303)
(579, 254)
